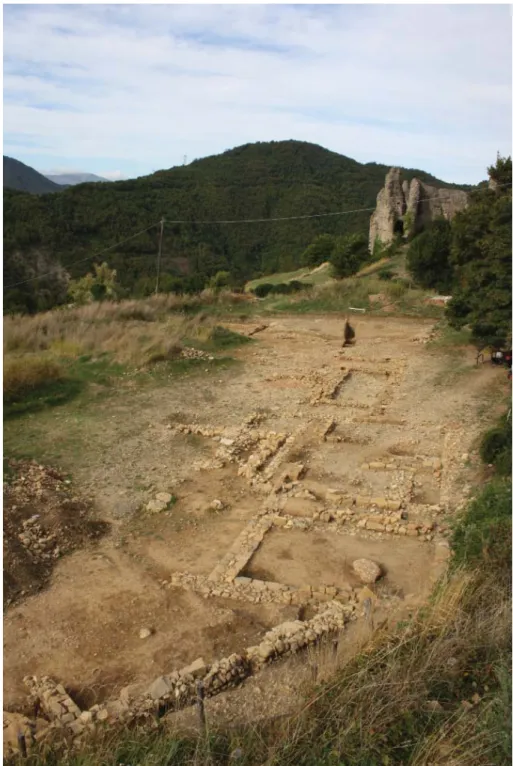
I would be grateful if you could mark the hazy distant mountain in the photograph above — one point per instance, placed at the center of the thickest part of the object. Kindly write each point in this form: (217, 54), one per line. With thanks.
(24, 178)
(72, 179)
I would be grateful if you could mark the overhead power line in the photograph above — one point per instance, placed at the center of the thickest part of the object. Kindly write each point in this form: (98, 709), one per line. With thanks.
(212, 222)
(88, 258)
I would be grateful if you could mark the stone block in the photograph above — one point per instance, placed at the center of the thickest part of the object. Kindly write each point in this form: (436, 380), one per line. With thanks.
(77, 727)
(55, 708)
(375, 526)
(159, 688)
(67, 718)
(196, 669)
(296, 506)
(243, 581)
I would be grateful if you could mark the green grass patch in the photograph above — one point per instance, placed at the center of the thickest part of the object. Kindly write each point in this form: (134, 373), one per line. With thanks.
(222, 338)
(74, 377)
(449, 338)
(482, 536)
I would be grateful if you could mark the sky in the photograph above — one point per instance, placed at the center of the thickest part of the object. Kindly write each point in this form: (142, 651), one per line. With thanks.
(124, 90)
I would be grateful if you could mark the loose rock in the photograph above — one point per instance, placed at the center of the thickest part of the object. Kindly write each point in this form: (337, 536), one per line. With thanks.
(368, 571)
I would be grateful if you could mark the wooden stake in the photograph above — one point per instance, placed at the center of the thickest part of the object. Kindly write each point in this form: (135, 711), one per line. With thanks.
(200, 692)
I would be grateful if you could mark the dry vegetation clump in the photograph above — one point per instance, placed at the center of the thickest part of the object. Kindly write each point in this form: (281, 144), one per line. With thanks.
(132, 332)
(24, 374)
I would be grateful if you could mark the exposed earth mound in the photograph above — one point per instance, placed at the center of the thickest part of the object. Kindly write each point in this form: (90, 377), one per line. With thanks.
(34, 542)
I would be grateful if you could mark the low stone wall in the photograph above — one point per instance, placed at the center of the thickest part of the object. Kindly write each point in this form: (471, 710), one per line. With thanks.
(257, 591)
(180, 688)
(241, 551)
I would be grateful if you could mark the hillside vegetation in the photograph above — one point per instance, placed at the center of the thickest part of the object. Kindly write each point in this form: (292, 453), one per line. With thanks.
(263, 180)
(470, 259)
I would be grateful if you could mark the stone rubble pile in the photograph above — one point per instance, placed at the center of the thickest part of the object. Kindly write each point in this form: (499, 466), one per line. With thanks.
(328, 389)
(55, 702)
(33, 538)
(195, 353)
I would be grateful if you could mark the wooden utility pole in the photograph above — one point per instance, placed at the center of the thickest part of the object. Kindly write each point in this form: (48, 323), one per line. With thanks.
(159, 256)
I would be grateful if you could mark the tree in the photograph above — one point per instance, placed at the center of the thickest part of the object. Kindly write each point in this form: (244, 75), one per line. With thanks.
(349, 254)
(94, 287)
(429, 257)
(481, 259)
(220, 280)
(319, 251)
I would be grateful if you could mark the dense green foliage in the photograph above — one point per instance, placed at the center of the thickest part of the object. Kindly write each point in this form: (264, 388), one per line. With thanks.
(483, 535)
(481, 259)
(319, 251)
(470, 258)
(23, 178)
(496, 447)
(349, 254)
(280, 288)
(429, 257)
(255, 181)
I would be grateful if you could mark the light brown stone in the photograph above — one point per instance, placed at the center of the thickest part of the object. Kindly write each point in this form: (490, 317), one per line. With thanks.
(368, 571)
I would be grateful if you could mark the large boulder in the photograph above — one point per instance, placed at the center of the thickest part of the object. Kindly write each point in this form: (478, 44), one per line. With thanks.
(368, 571)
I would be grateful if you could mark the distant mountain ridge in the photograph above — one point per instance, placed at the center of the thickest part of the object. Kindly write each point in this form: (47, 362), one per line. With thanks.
(23, 178)
(268, 180)
(72, 179)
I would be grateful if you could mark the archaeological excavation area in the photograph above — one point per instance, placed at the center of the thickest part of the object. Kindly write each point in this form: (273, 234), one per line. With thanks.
(306, 492)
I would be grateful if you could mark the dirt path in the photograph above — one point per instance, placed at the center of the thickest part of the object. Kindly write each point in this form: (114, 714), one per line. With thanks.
(387, 398)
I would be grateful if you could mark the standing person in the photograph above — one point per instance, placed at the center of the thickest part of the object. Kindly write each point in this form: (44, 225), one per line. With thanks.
(349, 333)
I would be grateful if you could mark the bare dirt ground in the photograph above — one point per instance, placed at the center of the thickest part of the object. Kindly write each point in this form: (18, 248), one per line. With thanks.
(401, 399)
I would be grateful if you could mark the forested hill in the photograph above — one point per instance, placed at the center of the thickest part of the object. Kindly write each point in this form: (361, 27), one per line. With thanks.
(22, 177)
(263, 180)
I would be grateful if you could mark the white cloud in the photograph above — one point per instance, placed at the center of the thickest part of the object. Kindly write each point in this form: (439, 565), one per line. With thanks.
(425, 86)
(113, 175)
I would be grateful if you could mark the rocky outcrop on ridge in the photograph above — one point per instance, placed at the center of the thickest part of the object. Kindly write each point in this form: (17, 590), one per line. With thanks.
(405, 208)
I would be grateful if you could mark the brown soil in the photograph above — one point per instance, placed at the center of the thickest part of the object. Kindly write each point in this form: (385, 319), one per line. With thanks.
(84, 629)
(302, 558)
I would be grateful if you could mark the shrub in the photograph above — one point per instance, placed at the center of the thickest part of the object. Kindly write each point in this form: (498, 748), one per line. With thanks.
(496, 447)
(483, 535)
(349, 254)
(386, 274)
(318, 251)
(261, 291)
(396, 290)
(429, 257)
(297, 286)
(25, 374)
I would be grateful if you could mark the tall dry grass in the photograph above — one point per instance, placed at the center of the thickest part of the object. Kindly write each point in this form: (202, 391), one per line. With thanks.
(134, 332)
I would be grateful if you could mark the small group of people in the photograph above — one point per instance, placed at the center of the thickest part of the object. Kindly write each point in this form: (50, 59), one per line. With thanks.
(502, 357)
